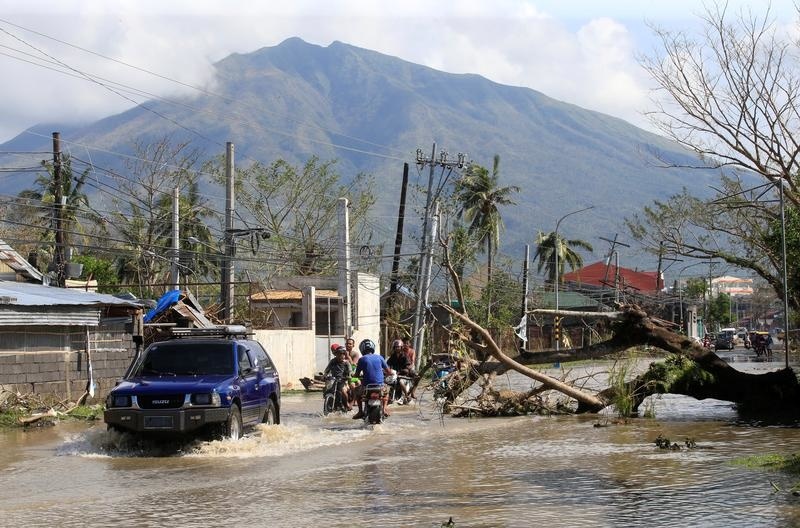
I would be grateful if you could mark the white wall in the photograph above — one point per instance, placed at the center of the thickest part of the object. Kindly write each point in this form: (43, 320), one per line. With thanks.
(368, 315)
(293, 352)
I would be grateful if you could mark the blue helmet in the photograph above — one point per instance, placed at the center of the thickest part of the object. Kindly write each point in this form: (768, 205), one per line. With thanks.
(367, 346)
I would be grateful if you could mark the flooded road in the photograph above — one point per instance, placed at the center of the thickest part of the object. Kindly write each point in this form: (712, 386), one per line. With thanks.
(414, 470)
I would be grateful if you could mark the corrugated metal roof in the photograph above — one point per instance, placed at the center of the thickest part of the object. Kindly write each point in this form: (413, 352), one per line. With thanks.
(14, 260)
(26, 294)
(49, 315)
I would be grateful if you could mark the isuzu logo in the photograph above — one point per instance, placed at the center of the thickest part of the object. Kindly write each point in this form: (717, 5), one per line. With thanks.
(160, 402)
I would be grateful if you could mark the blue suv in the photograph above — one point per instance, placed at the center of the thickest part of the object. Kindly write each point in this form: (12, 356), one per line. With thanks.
(212, 379)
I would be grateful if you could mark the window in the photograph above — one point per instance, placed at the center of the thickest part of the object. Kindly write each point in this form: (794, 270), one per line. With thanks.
(244, 359)
(262, 359)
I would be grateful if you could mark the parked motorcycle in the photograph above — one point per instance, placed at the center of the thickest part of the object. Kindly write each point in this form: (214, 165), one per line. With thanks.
(373, 406)
(332, 400)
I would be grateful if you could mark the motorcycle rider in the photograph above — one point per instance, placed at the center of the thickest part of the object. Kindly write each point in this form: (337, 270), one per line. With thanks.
(371, 368)
(398, 362)
(339, 368)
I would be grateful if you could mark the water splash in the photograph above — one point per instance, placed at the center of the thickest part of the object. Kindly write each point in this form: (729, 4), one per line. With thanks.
(262, 441)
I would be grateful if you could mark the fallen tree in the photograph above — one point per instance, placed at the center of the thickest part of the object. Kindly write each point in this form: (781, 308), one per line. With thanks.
(689, 370)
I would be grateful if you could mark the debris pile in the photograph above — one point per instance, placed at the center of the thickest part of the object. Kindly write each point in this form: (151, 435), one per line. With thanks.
(17, 409)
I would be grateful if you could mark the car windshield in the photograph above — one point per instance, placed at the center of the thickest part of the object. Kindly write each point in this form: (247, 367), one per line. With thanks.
(181, 358)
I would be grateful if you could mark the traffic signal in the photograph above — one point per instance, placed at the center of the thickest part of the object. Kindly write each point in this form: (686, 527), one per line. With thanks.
(557, 328)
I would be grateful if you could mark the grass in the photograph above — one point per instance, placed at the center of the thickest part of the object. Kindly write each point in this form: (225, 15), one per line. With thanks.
(788, 464)
(623, 397)
(10, 419)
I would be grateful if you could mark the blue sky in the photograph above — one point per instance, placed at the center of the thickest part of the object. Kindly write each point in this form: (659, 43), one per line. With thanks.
(580, 51)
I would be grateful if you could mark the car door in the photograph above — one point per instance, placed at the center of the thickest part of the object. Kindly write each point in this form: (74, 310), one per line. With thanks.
(270, 382)
(250, 392)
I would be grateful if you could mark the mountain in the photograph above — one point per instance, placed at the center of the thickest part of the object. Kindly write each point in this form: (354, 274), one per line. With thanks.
(372, 112)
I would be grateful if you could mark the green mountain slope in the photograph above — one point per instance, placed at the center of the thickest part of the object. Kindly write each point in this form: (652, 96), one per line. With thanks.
(372, 111)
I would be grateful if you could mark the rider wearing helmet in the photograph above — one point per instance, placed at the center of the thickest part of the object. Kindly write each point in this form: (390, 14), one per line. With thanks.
(339, 368)
(372, 368)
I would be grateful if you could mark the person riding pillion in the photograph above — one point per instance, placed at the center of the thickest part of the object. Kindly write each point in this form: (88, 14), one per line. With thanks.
(398, 361)
(371, 368)
(339, 368)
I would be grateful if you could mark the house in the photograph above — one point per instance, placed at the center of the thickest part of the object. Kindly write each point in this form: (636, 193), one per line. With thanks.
(730, 285)
(608, 276)
(15, 268)
(574, 330)
(299, 318)
(56, 340)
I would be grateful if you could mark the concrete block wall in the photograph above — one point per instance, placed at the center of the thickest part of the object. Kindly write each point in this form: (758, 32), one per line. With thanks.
(64, 373)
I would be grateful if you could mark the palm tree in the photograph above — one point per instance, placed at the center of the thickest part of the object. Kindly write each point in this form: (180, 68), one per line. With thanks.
(546, 245)
(40, 203)
(480, 198)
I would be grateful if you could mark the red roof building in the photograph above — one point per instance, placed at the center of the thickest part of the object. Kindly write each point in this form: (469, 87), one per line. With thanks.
(600, 275)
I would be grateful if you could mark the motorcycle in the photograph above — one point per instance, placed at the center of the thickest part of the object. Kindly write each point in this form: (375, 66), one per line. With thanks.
(398, 388)
(373, 406)
(332, 400)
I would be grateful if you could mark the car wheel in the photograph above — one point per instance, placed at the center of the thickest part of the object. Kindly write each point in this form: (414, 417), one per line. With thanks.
(233, 427)
(271, 414)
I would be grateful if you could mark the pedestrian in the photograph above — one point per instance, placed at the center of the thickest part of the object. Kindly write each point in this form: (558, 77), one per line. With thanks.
(411, 355)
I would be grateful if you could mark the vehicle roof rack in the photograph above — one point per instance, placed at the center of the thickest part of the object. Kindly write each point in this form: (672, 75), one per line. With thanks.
(212, 331)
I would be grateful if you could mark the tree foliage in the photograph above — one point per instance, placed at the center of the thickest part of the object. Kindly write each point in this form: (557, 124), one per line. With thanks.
(730, 93)
(144, 215)
(40, 210)
(545, 256)
(299, 207)
(480, 197)
(719, 311)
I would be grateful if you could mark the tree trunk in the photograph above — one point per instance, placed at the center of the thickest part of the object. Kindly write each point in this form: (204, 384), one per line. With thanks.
(696, 371)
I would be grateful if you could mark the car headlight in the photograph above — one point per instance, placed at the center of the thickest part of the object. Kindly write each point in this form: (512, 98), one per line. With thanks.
(206, 399)
(116, 400)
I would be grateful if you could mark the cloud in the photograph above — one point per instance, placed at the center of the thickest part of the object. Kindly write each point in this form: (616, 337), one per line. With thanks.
(508, 41)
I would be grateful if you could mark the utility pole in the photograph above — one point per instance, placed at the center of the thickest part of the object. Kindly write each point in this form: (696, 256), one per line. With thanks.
(426, 251)
(174, 275)
(398, 241)
(344, 265)
(425, 284)
(614, 253)
(59, 258)
(661, 258)
(524, 318)
(230, 247)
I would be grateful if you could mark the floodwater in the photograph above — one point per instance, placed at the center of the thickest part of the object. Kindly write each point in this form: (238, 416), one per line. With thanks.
(417, 469)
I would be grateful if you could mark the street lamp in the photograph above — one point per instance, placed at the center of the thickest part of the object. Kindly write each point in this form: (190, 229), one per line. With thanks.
(556, 249)
(785, 278)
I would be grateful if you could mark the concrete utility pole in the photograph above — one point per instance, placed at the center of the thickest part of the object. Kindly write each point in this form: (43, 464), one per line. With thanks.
(174, 274)
(426, 251)
(59, 257)
(425, 285)
(227, 293)
(344, 265)
(524, 318)
(398, 241)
